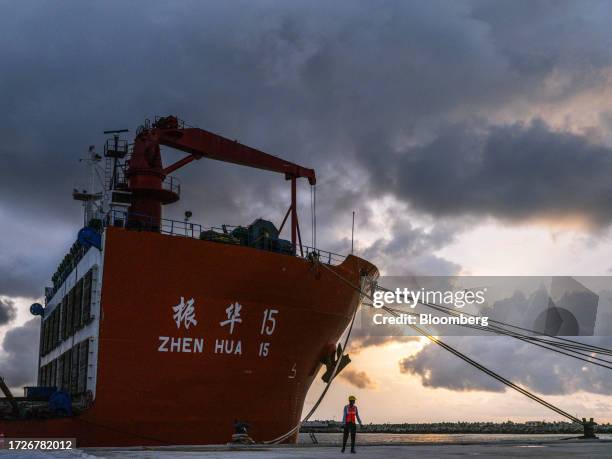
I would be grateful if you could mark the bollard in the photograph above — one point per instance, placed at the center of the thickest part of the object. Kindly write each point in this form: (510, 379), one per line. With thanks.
(589, 428)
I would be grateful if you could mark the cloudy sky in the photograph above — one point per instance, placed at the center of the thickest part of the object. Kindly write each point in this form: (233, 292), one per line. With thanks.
(470, 137)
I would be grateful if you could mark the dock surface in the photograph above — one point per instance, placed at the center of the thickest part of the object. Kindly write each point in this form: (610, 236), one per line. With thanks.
(554, 449)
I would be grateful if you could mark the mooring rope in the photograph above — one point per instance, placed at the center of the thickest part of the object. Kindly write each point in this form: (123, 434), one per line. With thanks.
(329, 382)
(486, 370)
(575, 351)
(472, 362)
(558, 340)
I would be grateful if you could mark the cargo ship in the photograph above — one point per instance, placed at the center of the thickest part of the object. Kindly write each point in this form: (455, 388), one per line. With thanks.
(163, 332)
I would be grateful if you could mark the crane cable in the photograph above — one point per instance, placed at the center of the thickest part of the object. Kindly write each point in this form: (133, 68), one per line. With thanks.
(314, 195)
(465, 358)
(312, 236)
(313, 215)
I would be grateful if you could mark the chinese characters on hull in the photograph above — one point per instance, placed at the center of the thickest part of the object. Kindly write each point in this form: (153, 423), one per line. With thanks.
(184, 316)
(184, 313)
(233, 316)
(230, 346)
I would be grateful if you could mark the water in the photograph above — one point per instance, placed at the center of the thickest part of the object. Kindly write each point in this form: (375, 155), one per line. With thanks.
(384, 438)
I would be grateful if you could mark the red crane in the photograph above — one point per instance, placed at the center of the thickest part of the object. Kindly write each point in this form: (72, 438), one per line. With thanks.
(149, 182)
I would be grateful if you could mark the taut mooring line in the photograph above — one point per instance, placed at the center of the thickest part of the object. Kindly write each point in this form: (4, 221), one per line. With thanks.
(465, 358)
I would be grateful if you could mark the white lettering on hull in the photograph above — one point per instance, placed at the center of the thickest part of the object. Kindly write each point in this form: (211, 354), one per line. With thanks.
(172, 344)
(228, 346)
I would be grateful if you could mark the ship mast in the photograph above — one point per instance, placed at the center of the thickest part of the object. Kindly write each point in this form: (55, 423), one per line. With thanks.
(93, 201)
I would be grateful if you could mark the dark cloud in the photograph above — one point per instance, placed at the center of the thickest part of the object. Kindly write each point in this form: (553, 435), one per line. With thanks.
(548, 40)
(359, 379)
(342, 87)
(411, 250)
(20, 354)
(515, 172)
(7, 311)
(30, 252)
(537, 369)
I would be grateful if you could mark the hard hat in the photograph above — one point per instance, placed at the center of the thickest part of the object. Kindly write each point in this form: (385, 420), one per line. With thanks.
(352, 397)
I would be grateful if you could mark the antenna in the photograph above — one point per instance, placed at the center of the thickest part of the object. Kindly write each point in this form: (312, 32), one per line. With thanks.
(90, 197)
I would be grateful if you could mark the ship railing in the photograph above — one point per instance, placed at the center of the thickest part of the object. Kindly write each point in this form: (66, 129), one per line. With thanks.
(172, 183)
(116, 148)
(135, 221)
(225, 229)
(129, 220)
(180, 228)
(123, 219)
(121, 180)
(181, 123)
(324, 256)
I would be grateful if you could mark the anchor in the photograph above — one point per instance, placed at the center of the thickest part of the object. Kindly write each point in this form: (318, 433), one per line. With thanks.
(331, 359)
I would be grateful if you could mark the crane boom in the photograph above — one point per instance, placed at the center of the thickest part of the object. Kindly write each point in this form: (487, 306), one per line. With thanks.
(146, 173)
(203, 144)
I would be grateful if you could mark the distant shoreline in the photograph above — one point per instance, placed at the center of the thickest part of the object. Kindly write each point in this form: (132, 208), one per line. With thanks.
(530, 428)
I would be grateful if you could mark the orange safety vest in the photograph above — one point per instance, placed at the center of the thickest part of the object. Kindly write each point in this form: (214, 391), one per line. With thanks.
(351, 412)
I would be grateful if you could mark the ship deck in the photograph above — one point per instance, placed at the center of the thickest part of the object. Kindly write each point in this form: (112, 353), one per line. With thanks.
(552, 449)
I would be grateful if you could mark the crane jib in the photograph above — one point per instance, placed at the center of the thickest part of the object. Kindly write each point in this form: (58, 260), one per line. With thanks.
(147, 175)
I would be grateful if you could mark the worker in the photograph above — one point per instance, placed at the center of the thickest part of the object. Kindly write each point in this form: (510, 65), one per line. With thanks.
(349, 418)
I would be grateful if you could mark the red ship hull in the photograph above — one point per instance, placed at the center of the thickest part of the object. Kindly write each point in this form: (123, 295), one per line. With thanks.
(163, 381)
